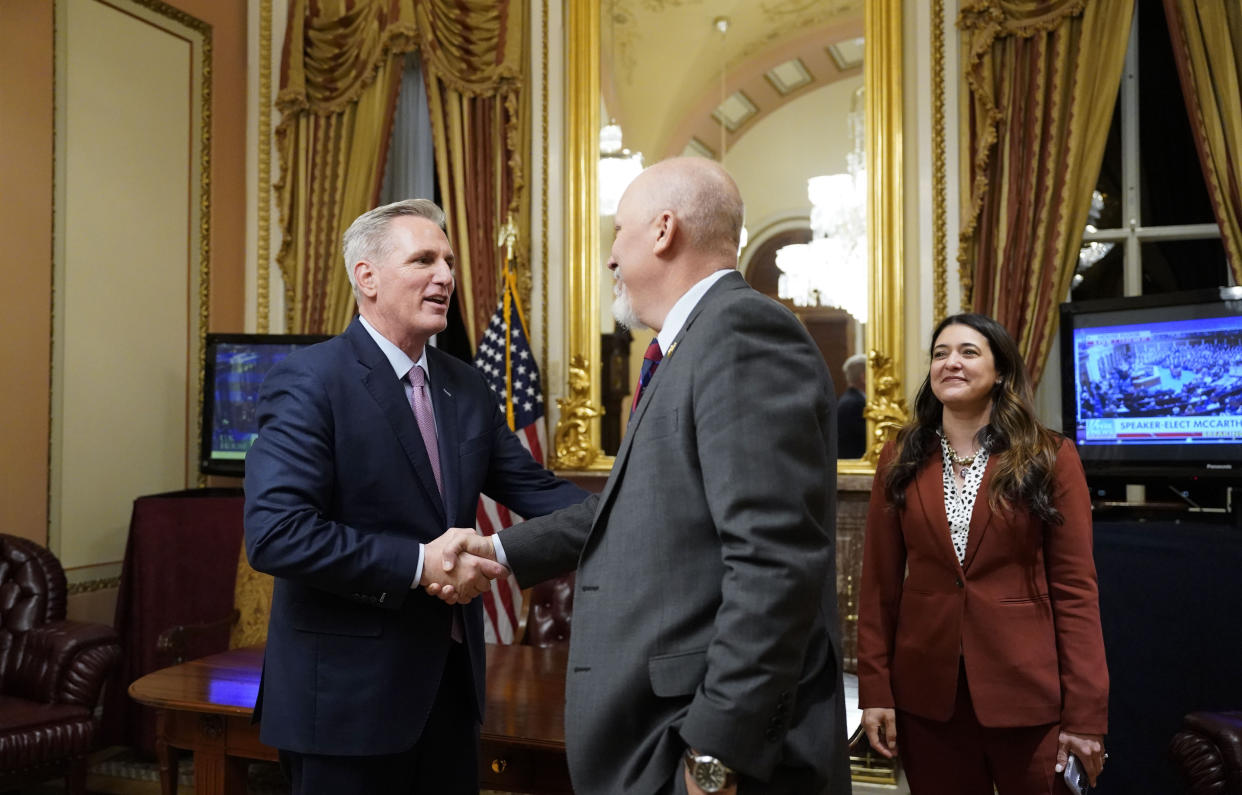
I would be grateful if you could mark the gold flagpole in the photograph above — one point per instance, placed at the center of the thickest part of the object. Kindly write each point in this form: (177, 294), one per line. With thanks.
(507, 239)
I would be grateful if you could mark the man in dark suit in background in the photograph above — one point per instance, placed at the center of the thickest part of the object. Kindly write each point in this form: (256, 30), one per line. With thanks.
(851, 426)
(370, 445)
(705, 654)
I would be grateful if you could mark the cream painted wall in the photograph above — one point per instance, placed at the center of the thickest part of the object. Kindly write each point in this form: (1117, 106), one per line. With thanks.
(126, 276)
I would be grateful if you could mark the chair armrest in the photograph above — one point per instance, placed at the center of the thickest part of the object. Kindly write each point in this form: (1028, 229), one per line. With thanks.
(1208, 751)
(187, 641)
(549, 612)
(64, 662)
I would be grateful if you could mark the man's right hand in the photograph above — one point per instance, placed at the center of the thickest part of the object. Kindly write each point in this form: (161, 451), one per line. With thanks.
(881, 727)
(459, 565)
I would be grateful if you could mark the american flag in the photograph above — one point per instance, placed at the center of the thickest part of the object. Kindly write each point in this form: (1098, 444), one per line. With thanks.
(507, 362)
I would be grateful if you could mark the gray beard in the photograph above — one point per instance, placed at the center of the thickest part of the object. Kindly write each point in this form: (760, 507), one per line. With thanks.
(623, 313)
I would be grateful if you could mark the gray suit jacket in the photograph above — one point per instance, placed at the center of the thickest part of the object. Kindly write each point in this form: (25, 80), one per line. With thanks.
(705, 611)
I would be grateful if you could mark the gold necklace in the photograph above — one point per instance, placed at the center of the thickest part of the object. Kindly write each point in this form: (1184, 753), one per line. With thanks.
(959, 460)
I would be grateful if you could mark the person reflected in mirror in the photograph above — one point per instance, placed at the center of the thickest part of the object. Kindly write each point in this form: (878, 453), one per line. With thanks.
(705, 654)
(370, 446)
(851, 425)
(979, 641)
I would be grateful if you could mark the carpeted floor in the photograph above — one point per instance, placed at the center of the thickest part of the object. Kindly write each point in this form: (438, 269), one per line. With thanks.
(120, 771)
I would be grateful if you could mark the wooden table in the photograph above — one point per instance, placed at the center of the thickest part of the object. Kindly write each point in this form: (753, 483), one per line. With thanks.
(205, 706)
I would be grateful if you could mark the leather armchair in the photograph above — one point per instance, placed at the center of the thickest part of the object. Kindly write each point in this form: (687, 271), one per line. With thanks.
(1208, 752)
(550, 613)
(51, 671)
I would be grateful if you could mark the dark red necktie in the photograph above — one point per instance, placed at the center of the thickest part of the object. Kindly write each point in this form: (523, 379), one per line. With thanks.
(651, 360)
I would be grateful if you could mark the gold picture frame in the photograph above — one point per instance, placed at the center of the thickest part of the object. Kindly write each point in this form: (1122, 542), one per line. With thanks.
(576, 440)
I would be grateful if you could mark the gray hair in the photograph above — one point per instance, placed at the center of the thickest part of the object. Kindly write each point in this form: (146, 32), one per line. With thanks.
(854, 368)
(367, 239)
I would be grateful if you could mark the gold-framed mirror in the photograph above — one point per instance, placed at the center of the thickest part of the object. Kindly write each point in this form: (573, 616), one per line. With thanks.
(577, 439)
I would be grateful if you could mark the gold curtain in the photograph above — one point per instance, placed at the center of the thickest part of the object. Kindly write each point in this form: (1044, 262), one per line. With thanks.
(340, 75)
(1041, 79)
(474, 62)
(339, 81)
(252, 599)
(1207, 45)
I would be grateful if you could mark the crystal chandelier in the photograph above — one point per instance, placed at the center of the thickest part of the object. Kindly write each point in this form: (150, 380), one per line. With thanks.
(831, 270)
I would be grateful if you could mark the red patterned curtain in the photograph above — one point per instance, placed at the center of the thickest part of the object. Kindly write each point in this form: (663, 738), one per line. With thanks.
(1041, 79)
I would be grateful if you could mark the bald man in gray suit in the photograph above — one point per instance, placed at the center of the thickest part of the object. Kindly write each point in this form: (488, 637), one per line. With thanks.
(705, 654)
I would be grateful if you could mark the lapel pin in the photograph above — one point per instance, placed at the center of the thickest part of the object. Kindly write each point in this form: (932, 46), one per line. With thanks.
(671, 348)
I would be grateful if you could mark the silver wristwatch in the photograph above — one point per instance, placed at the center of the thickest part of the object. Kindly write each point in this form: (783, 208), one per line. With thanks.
(708, 772)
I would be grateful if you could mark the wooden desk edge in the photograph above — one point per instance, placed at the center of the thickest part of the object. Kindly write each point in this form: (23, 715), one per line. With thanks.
(521, 742)
(203, 707)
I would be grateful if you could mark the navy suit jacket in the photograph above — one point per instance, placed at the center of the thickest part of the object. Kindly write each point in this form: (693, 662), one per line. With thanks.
(339, 493)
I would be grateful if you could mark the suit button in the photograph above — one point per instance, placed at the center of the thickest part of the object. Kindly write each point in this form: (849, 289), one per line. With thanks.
(958, 582)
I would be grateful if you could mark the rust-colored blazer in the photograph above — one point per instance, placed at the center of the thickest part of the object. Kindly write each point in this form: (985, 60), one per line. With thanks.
(1023, 611)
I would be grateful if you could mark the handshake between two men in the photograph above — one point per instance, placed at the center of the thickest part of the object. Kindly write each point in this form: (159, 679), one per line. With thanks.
(460, 565)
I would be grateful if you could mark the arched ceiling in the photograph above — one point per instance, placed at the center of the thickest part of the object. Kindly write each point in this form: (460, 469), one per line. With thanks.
(662, 62)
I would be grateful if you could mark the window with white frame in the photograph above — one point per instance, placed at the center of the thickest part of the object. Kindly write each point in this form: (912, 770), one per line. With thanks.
(1151, 228)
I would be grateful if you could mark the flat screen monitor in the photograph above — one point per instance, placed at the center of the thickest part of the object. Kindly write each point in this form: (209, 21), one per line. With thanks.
(235, 367)
(1153, 384)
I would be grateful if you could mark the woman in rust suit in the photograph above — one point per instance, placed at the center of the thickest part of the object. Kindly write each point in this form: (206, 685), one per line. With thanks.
(979, 638)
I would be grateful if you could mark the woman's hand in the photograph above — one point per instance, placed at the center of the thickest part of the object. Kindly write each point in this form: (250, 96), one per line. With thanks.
(1089, 748)
(881, 727)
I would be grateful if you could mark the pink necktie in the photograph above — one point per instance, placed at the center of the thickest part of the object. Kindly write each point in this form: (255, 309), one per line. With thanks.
(421, 404)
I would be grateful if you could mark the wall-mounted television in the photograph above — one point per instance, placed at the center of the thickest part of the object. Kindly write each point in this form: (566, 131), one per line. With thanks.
(234, 370)
(1152, 385)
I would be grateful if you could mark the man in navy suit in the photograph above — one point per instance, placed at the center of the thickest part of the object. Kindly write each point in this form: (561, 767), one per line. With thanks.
(370, 446)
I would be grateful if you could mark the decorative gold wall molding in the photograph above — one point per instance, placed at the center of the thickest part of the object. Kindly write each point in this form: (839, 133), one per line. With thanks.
(543, 190)
(204, 231)
(91, 586)
(263, 201)
(940, 277)
(575, 447)
(886, 406)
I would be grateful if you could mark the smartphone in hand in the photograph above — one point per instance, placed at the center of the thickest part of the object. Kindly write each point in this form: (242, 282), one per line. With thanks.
(1076, 776)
